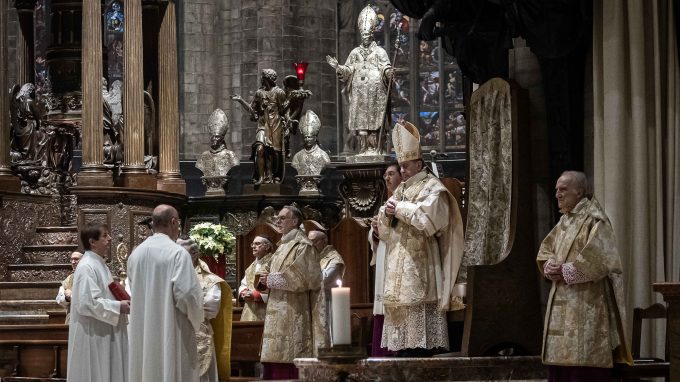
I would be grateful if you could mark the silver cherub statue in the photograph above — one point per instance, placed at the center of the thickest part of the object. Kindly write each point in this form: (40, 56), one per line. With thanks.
(216, 162)
(367, 73)
(311, 159)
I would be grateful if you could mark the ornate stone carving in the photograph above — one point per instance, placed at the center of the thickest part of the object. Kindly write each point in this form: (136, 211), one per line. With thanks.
(41, 150)
(21, 216)
(69, 210)
(40, 274)
(239, 223)
(309, 184)
(362, 188)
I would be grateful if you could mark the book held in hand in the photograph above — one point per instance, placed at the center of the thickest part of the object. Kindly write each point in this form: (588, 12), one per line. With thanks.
(118, 291)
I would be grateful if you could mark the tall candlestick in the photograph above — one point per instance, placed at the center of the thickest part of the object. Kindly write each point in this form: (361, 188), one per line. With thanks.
(341, 328)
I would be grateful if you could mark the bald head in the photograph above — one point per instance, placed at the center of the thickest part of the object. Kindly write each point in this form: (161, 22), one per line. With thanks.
(165, 219)
(75, 259)
(318, 239)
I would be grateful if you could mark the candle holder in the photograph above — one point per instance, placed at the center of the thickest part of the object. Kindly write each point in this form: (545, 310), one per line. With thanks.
(300, 70)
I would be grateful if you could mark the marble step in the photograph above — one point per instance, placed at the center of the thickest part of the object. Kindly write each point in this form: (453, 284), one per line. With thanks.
(36, 290)
(48, 253)
(57, 235)
(38, 272)
(32, 306)
(22, 318)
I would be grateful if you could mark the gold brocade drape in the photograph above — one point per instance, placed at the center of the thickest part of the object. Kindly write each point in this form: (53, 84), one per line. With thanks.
(636, 143)
(490, 183)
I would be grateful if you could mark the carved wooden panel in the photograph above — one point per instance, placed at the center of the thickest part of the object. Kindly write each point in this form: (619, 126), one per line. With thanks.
(350, 238)
(138, 232)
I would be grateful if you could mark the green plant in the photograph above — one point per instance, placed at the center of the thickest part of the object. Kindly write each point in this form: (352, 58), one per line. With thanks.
(214, 240)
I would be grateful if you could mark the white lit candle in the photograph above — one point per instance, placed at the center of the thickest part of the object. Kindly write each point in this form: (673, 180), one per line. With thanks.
(341, 328)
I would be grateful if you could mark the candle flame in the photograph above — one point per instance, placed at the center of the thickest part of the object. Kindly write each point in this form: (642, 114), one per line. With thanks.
(339, 283)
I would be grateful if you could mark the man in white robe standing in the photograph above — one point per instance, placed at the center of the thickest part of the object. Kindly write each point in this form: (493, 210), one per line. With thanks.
(392, 178)
(168, 305)
(97, 335)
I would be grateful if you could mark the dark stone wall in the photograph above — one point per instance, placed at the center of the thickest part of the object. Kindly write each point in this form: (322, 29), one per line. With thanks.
(225, 44)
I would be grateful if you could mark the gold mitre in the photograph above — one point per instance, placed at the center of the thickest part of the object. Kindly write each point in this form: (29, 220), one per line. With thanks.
(406, 141)
(368, 20)
(218, 123)
(310, 123)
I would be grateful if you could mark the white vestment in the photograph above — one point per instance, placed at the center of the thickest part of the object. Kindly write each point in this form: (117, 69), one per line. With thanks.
(97, 335)
(211, 306)
(378, 260)
(166, 311)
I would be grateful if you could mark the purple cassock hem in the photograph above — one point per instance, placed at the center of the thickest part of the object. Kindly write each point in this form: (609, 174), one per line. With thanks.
(578, 374)
(376, 350)
(274, 371)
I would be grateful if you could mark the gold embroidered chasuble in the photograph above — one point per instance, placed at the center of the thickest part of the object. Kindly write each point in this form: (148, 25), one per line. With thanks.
(215, 333)
(255, 310)
(424, 250)
(68, 284)
(332, 270)
(585, 321)
(425, 247)
(332, 266)
(294, 321)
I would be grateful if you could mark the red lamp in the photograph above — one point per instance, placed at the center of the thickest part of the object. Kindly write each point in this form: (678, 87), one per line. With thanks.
(300, 70)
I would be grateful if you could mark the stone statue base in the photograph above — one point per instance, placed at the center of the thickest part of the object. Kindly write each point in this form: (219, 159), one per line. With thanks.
(368, 158)
(362, 188)
(217, 185)
(268, 189)
(309, 184)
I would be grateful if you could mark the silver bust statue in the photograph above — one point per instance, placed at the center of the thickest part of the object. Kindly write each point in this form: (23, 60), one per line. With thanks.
(216, 162)
(367, 73)
(311, 159)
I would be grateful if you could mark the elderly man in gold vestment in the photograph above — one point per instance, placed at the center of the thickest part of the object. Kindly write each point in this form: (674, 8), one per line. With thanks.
(332, 271)
(214, 337)
(585, 319)
(64, 294)
(293, 325)
(255, 301)
(423, 231)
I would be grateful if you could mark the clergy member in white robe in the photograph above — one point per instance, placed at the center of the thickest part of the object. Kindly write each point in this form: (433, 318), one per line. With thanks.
(97, 335)
(168, 306)
(392, 178)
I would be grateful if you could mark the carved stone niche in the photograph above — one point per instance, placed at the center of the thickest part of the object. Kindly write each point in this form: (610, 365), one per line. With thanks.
(363, 189)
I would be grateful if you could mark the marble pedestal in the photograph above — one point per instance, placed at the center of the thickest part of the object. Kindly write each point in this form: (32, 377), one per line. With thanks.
(426, 369)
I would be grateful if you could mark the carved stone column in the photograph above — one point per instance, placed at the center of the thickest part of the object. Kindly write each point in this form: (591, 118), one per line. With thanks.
(134, 172)
(8, 182)
(23, 58)
(169, 178)
(92, 171)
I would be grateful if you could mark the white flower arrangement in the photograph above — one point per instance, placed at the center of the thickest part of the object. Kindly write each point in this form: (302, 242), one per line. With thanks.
(214, 240)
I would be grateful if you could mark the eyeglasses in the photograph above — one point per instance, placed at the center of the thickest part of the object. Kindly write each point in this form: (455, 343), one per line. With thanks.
(280, 218)
(256, 244)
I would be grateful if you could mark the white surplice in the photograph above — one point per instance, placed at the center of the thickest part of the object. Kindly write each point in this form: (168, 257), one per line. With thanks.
(166, 311)
(378, 260)
(97, 335)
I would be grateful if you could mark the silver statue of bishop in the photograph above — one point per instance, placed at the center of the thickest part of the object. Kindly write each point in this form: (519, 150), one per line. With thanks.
(311, 159)
(367, 73)
(216, 162)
